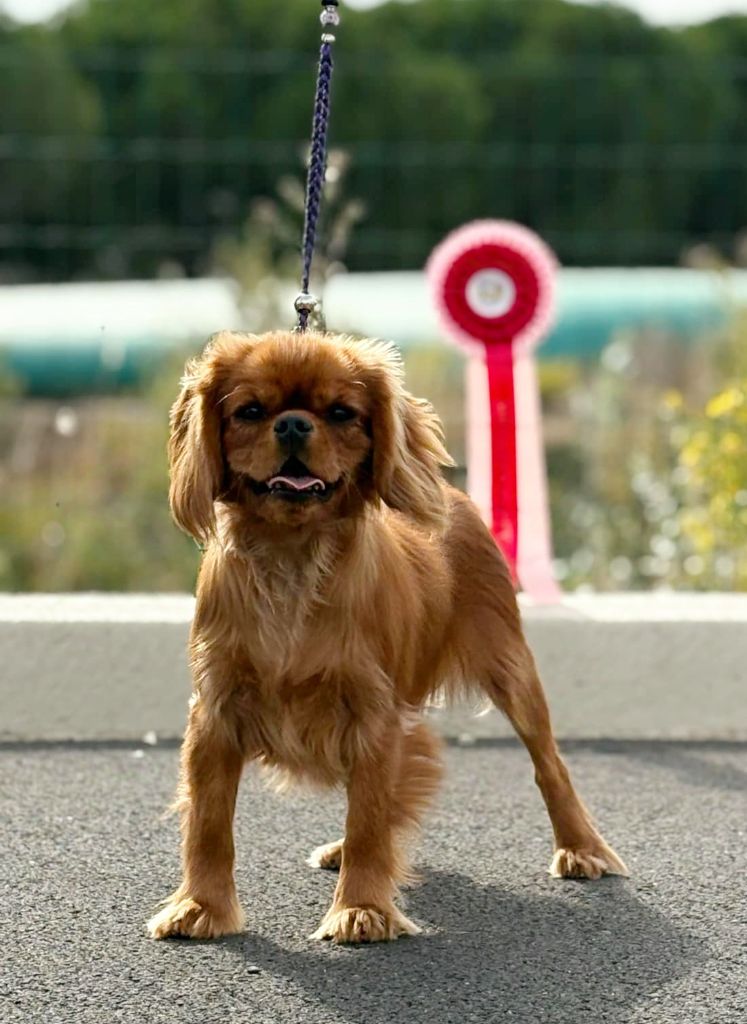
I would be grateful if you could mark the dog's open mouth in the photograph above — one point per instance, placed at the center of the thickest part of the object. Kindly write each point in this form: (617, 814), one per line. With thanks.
(295, 482)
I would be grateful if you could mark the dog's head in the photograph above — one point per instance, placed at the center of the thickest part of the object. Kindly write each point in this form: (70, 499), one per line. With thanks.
(301, 430)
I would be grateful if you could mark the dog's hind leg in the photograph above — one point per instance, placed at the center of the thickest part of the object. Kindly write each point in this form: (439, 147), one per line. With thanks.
(420, 771)
(513, 684)
(380, 805)
(327, 856)
(487, 646)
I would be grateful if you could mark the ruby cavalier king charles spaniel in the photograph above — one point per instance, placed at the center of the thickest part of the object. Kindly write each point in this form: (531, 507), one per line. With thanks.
(344, 586)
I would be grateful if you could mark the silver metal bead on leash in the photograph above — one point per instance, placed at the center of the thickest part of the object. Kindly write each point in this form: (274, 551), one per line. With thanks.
(309, 309)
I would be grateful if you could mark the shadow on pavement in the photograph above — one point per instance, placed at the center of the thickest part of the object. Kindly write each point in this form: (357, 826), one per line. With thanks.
(585, 952)
(688, 761)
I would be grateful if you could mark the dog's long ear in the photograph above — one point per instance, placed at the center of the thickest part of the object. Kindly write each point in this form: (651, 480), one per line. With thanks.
(408, 442)
(195, 453)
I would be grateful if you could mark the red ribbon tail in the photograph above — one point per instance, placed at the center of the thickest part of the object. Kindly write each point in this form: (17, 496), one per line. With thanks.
(500, 364)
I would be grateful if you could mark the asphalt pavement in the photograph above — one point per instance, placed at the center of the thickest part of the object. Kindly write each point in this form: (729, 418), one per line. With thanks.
(85, 854)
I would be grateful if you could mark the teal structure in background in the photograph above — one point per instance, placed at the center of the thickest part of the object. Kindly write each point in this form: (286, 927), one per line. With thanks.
(84, 339)
(43, 369)
(66, 340)
(595, 304)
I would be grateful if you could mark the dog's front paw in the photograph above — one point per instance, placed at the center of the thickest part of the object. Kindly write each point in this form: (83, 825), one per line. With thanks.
(364, 924)
(194, 919)
(328, 856)
(588, 861)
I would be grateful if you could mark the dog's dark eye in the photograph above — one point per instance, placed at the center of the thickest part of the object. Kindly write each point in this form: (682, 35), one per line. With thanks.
(251, 411)
(340, 413)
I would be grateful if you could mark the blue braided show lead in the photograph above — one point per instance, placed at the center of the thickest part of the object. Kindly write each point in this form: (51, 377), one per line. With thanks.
(306, 303)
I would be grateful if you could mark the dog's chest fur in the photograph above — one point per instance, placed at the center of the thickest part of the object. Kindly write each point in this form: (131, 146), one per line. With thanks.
(303, 709)
(283, 598)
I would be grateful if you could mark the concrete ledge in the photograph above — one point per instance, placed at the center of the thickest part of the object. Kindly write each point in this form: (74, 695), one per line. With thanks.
(635, 666)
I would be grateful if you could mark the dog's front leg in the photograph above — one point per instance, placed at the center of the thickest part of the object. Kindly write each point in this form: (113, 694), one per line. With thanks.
(363, 909)
(205, 905)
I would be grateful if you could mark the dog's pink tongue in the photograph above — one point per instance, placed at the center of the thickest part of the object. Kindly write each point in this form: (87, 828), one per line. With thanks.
(297, 483)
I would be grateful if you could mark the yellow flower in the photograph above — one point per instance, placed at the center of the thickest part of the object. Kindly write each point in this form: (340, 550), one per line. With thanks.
(724, 403)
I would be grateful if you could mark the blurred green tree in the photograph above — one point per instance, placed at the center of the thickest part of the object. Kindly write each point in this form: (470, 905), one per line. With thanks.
(49, 117)
(619, 141)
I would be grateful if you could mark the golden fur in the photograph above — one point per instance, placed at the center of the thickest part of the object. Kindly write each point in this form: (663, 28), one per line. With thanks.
(323, 627)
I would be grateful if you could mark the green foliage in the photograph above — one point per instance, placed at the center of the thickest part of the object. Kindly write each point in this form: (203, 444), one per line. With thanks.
(85, 496)
(709, 480)
(649, 487)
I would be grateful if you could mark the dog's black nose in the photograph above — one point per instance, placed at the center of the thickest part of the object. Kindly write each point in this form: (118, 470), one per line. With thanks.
(292, 429)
